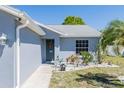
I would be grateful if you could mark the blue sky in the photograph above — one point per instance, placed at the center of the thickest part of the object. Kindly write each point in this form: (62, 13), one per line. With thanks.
(95, 16)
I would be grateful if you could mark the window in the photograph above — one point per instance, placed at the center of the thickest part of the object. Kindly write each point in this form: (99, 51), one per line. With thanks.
(81, 45)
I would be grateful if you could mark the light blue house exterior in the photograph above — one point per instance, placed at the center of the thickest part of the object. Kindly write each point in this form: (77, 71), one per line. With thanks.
(36, 44)
(30, 58)
(65, 37)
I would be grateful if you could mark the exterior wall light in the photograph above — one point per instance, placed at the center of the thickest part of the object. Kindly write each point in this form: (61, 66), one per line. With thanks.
(3, 39)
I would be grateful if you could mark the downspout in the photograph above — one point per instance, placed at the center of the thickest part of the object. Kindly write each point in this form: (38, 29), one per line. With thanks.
(18, 28)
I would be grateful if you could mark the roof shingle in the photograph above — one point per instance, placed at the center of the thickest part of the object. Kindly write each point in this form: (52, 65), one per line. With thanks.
(76, 30)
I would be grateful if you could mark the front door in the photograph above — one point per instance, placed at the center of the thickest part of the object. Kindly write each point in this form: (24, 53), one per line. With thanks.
(49, 49)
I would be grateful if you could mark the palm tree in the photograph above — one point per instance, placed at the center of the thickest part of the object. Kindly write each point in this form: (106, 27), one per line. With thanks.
(113, 34)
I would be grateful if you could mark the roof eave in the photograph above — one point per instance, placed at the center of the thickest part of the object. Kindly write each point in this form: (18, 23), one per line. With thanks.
(34, 26)
(50, 28)
(81, 36)
(19, 14)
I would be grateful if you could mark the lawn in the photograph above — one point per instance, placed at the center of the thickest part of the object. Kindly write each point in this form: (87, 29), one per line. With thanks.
(91, 77)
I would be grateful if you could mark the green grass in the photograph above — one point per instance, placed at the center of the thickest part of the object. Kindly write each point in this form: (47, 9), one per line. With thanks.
(92, 77)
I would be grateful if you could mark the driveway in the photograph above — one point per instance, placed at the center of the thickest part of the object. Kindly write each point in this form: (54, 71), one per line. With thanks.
(40, 78)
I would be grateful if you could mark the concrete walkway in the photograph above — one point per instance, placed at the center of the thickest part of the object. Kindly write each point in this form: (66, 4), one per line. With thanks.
(40, 78)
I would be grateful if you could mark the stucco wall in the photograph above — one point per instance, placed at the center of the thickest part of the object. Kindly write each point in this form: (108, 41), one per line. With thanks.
(51, 35)
(7, 26)
(65, 47)
(68, 45)
(30, 53)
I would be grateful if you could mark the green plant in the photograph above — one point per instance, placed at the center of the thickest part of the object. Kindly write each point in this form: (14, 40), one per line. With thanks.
(87, 57)
(113, 34)
(72, 58)
(73, 20)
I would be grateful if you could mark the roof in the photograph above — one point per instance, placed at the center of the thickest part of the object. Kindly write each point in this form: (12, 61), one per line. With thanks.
(20, 14)
(63, 30)
(76, 30)
(50, 28)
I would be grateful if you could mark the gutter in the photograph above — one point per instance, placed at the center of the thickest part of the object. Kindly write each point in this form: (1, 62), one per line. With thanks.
(20, 14)
(80, 36)
(26, 21)
(18, 49)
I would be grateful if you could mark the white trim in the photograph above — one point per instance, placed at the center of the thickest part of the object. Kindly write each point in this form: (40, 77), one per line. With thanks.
(18, 50)
(50, 28)
(79, 36)
(20, 14)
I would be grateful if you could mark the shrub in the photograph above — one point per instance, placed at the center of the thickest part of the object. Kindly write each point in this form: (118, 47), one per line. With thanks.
(87, 57)
(72, 59)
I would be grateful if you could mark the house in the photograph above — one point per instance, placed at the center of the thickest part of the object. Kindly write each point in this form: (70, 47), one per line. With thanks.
(21, 54)
(26, 44)
(66, 40)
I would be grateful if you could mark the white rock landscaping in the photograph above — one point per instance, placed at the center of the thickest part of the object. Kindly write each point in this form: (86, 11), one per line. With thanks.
(91, 65)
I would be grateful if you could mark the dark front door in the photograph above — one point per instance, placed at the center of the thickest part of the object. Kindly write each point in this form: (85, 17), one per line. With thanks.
(49, 49)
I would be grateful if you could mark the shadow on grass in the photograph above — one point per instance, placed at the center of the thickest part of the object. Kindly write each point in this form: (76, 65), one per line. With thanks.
(100, 80)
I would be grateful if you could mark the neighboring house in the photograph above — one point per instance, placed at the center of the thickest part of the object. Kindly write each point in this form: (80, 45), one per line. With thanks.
(111, 50)
(29, 44)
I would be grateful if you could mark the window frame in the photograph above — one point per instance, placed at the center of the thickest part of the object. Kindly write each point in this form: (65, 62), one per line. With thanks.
(82, 45)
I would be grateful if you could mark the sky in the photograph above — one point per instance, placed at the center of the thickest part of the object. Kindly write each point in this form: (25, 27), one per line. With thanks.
(95, 16)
